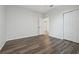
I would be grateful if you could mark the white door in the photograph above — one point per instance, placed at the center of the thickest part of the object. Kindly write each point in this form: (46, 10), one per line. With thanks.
(71, 26)
(43, 25)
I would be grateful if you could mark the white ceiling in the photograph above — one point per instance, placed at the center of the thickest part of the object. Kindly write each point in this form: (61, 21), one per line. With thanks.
(46, 8)
(38, 8)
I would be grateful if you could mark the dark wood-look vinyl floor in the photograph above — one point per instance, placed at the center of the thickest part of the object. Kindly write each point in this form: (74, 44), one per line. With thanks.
(36, 45)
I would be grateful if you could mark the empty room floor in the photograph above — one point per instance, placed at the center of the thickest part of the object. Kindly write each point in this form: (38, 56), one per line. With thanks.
(35, 45)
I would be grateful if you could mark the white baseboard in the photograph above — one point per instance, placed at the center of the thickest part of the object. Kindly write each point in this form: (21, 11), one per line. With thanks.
(2, 45)
(56, 36)
(21, 37)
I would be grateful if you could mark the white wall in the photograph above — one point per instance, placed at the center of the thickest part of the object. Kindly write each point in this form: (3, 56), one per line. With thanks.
(2, 26)
(21, 22)
(56, 20)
